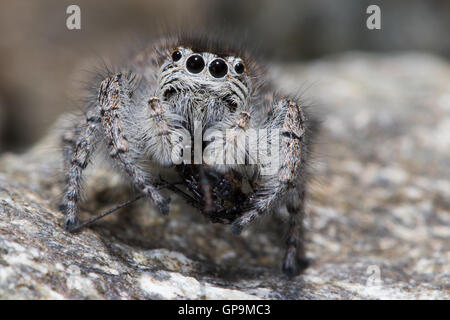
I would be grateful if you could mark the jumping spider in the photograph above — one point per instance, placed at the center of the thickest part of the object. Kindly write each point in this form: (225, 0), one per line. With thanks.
(142, 112)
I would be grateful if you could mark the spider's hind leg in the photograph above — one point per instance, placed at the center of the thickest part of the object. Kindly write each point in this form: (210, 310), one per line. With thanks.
(78, 144)
(69, 143)
(295, 260)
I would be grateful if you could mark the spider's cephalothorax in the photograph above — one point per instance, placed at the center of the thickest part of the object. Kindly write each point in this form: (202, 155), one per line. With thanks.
(203, 86)
(183, 86)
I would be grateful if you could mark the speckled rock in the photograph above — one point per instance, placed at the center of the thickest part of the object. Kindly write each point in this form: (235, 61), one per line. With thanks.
(379, 206)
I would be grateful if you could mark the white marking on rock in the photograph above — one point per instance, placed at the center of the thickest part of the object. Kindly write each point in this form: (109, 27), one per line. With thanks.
(171, 285)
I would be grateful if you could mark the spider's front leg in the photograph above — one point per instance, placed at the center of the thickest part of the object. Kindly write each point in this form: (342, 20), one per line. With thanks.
(114, 100)
(285, 183)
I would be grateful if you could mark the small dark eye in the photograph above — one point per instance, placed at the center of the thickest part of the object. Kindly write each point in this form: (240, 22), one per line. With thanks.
(195, 63)
(218, 68)
(176, 55)
(239, 67)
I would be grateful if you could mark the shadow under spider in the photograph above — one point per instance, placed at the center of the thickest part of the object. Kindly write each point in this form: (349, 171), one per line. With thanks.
(134, 227)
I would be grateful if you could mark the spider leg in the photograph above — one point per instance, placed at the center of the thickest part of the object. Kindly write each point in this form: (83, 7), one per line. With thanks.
(69, 143)
(114, 96)
(294, 259)
(286, 123)
(69, 140)
(284, 185)
(77, 152)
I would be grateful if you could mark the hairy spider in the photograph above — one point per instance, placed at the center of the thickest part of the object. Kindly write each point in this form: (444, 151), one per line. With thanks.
(183, 87)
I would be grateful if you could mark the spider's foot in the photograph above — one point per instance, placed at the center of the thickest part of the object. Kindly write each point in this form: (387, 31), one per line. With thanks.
(70, 223)
(293, 266)
(240, 223)
(237, 227)
(71, 216)
(163, 205)
(158, 200)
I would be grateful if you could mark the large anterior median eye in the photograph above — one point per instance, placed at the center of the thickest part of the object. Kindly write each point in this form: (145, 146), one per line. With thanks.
(218, 68)
(195, 63)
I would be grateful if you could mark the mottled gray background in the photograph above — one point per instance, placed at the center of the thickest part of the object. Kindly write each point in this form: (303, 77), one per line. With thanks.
(42, 63)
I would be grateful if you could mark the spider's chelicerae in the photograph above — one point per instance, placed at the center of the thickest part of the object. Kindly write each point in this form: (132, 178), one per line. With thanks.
(151, 113)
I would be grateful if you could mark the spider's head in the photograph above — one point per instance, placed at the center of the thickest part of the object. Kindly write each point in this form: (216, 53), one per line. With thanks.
(209, 80)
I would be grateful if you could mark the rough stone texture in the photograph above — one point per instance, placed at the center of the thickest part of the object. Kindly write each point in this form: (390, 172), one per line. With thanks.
(378, 224)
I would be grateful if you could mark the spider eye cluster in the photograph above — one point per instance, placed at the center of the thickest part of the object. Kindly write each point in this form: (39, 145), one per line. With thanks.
(218, 67)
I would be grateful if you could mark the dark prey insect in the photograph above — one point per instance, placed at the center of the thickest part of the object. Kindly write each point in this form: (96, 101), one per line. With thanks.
(186, 87)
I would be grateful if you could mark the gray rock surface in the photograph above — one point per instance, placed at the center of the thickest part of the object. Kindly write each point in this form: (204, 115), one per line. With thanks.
(378, 223)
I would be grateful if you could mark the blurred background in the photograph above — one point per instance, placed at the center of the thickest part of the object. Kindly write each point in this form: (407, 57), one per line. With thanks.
(42, 63)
